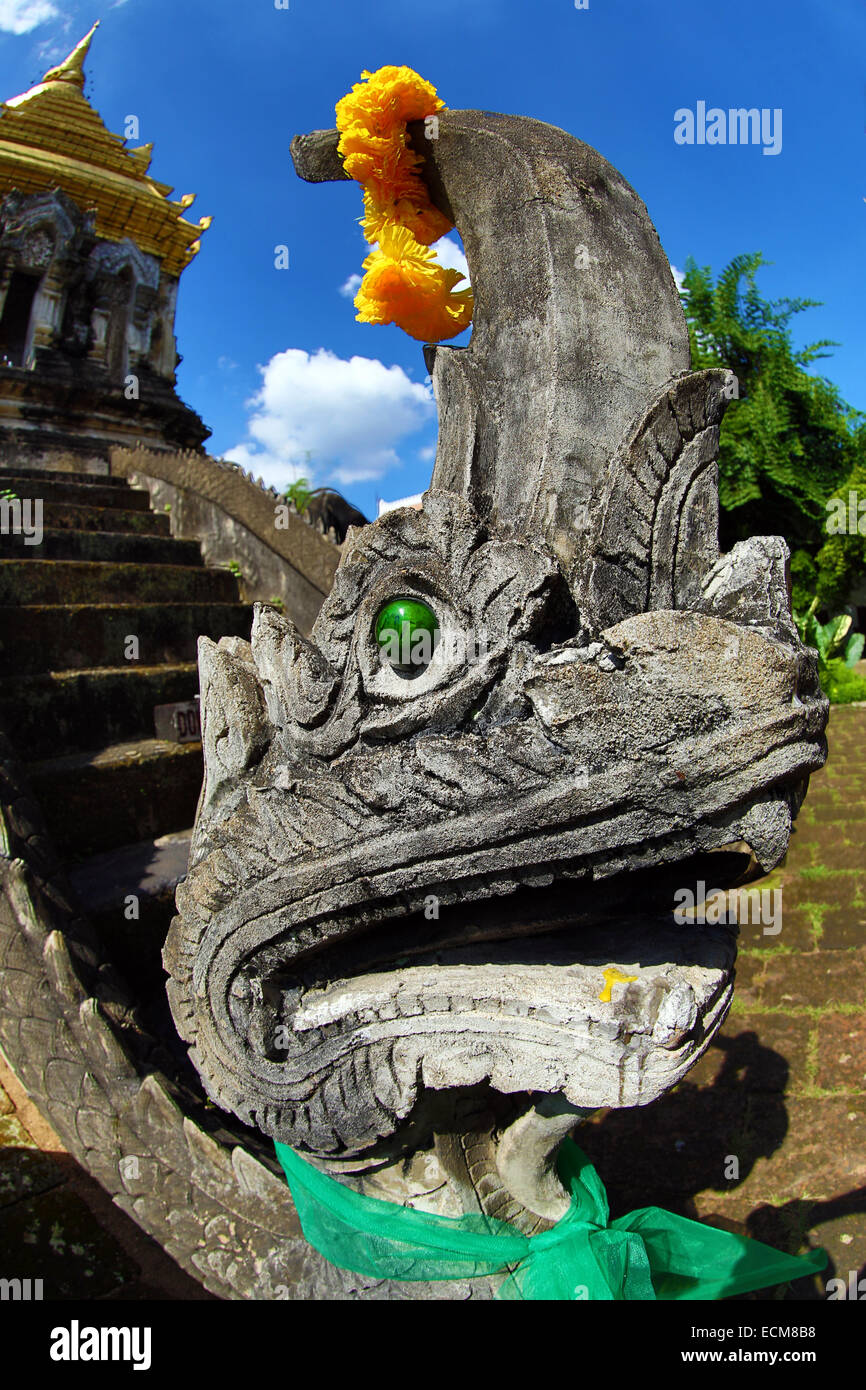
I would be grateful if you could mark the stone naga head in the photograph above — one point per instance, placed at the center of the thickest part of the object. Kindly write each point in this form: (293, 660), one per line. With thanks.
(407, 882)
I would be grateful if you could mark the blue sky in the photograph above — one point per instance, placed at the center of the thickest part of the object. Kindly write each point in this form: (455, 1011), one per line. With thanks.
(273, 359)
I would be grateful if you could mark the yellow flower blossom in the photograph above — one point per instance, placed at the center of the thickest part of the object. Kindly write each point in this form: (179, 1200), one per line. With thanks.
(427, 224)
(404, 283)
(387, 100)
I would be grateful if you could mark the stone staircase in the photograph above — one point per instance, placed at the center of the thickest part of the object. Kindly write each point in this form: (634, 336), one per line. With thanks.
(118, 801)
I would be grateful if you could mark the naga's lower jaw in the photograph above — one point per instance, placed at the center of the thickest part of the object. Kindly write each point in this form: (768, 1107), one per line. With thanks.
(613, 1017)
(604, 1013)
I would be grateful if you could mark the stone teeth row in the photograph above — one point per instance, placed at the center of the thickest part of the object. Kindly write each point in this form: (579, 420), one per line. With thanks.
(411, 1005)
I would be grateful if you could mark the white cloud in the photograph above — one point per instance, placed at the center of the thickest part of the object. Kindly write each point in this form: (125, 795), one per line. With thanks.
(428, 454)
(50, 53)
(679, 277)
(351, 286)
(346, 476)
(451, 256)
(317, 412)
(20, 16)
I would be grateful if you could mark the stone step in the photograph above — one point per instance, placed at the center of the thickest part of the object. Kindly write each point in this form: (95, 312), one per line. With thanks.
(64, 517)
(148, 872)
(98, 801)
(71, 711)
(82, 581)
(90, 494)
(64, 637)
(116, 547)
(60, 475)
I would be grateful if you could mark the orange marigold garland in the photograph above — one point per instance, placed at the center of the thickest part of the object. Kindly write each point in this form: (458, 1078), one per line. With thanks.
(404, 283)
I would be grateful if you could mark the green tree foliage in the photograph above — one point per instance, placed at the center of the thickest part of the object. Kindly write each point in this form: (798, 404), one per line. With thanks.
(788, 442)
(840, 564)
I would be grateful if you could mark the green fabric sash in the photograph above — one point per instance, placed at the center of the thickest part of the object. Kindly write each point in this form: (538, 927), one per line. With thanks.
(648, 1254)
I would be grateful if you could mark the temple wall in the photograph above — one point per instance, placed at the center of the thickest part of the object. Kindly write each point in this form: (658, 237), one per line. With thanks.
(264, 575)
(234, 520)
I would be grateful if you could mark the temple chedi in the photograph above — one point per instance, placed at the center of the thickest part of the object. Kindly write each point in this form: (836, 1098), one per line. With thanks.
(91, 253)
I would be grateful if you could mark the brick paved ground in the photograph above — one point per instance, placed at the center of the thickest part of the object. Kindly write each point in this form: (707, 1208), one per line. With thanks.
(780, 1091)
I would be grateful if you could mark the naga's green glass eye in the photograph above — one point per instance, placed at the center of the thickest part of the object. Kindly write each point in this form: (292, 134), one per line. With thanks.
(407, 631)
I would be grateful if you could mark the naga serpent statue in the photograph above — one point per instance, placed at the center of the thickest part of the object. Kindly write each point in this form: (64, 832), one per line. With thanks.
(426, 923)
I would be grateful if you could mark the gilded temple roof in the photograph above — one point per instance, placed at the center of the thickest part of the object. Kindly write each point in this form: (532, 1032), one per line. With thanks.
(51, 137)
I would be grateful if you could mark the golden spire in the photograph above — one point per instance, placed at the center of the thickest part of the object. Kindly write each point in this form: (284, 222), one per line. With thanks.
(51, 137)
(72, 68)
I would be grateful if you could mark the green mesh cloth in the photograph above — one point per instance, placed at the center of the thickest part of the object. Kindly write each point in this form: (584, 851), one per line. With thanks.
(649, 1254)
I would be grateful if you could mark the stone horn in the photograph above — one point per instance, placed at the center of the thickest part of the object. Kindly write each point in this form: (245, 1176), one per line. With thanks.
(576, 380)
